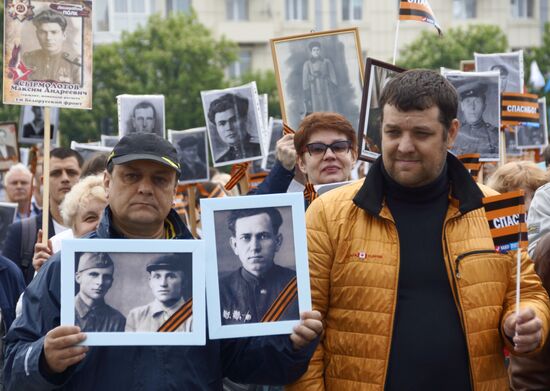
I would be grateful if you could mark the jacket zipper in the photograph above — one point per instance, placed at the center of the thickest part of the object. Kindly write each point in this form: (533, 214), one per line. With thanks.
(456, 295)
(462, 256)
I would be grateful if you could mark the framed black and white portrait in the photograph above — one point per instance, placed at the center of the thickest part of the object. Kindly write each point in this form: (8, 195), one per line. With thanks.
(31, 125)
(140, 114)
(8, 211)
(319, 72)
(257, 265)
(191, 145)
(275, 132)
(478, 113)
(377, 74)
(531, 136)
(234, 124)
(109, 141)
(508, 65)
(134, 292)
(9, 149)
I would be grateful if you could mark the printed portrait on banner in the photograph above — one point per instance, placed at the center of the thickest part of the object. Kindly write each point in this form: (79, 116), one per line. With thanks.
(48, 53)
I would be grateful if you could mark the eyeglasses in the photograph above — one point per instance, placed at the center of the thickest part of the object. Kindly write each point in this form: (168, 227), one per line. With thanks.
(319, 149)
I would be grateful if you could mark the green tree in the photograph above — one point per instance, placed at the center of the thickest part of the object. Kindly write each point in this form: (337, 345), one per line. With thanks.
(174, 56)
(432, 51)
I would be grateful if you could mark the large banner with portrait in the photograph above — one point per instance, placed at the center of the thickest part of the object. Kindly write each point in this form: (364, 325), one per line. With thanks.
(479, 113)
(257, 264)
(134, 292)
(319, 72)
(48, 53)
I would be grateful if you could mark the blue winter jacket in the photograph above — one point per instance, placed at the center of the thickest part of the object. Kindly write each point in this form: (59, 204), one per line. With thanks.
(264, 360)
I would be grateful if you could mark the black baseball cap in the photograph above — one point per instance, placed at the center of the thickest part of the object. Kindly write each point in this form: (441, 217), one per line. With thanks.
(145, 146)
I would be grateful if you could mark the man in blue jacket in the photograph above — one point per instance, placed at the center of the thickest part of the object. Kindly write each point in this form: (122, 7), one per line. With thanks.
(141, 180)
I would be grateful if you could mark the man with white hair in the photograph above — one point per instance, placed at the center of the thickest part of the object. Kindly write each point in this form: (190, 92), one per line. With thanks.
(18, 184)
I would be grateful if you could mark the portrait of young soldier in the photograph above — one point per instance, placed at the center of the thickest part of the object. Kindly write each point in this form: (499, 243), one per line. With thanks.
(475, 135)
(168, 275)
(228, 116)
(249, 292)
(94, 277)
(51, 62)
(35, 128)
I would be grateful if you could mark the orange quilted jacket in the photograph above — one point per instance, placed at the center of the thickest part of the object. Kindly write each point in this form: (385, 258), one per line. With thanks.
(354, 262)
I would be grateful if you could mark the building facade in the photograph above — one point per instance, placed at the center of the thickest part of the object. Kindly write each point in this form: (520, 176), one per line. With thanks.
(252, 23)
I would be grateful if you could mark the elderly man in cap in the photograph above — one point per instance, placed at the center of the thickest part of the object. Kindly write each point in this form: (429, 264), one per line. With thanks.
(141, 180)
(475, 135)
(167, 282)
(95, 278)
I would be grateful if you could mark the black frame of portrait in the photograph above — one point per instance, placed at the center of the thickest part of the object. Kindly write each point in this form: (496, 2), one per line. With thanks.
(319, 37)
(363, 131)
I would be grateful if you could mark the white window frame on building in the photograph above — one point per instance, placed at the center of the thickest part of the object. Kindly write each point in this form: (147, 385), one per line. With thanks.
(464, 9)
(178, 5)
(296, 10)
(236, 10)
(243, 65)
(122, 15)
(522, 9)
(352, 10)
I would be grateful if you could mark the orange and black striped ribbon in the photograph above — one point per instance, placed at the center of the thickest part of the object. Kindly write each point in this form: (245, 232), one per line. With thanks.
(287, 129)
(506, 216)
(517, 108)
(257, 178)
(178, 317)
(309, 192)
(471, 163)
(238, 171)
(279, 306)
(418, 10)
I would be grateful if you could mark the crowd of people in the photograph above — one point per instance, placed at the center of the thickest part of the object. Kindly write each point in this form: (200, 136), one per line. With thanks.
(408, 292)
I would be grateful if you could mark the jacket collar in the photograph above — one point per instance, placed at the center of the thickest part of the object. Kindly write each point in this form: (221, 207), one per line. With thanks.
(105, 229)
(464, 189)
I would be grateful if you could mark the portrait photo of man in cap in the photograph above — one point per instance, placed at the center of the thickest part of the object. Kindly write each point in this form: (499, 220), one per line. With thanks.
(509, 65)
(94, 277)
(52, 62)
(478, 106)
(192, 155)
(248, 293)
(169, 280)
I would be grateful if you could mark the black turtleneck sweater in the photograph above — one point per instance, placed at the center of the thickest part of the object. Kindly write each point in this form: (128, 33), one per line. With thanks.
(428, 347)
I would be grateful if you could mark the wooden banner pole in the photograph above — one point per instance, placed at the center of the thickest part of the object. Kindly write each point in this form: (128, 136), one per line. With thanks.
(46, 178)
(191, 202)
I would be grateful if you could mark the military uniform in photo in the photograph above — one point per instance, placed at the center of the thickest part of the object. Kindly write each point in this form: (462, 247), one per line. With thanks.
(245, 298)
(480, 136)
(61, 67)
(99, 316)
(196, 170)
(241, 151)
(153, 316)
